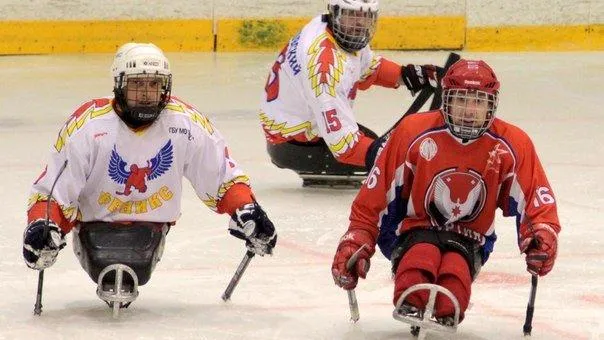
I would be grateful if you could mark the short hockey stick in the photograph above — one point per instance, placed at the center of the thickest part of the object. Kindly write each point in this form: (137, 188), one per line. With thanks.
(425, 94)
(437, 100)
(38, 305)
(421, 99)
(530, 308)
(237, 276)
(352, 297)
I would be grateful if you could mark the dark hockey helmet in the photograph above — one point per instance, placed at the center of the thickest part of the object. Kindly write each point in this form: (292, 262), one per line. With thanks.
(353, 22)
(470, 96)
(142, 83)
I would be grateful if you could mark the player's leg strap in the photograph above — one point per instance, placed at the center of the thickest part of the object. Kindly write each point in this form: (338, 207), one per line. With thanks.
(445, 241)
(138, 245)
(466, 247)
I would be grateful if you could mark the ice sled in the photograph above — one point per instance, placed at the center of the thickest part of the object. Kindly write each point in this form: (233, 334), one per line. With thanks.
(423, 321)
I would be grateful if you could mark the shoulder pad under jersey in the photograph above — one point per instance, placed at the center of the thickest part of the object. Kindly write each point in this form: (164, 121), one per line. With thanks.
(86, 112)
(196, 117)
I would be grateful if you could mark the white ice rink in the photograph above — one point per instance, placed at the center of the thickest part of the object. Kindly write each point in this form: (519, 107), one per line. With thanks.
(555, 97)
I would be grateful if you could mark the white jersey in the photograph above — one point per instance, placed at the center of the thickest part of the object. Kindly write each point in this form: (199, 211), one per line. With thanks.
(114, 173)
(311, 89)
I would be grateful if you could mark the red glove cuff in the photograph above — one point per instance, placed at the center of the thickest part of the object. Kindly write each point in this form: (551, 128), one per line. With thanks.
(540, 233)
(540, 244)
(359, 237)
(39, 210)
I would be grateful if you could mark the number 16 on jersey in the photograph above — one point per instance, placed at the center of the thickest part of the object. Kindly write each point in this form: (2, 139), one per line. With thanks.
(543, 197)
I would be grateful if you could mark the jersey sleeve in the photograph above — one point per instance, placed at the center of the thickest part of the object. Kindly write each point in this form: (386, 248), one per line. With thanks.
(215, 176)
(527, 194)
(68, 166)
(380, 205)
(377, 70)
(323, 87)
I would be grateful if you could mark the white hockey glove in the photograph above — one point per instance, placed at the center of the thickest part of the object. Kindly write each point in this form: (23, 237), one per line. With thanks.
(251, 224)
(38, 252)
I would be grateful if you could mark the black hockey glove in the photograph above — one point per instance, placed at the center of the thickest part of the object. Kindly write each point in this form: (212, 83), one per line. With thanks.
(418, 77)
(38, 252)
(251, 224)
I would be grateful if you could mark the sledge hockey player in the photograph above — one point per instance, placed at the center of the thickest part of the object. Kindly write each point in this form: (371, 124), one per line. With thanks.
(307, 114)
(429, 202)
(115, 178)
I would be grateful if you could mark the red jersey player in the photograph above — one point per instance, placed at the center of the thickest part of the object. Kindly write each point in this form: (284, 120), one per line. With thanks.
(429, 202)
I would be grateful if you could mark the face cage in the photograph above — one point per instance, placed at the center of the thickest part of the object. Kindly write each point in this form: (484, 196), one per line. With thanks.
(353, 29)
(468, 126)
(138, 115)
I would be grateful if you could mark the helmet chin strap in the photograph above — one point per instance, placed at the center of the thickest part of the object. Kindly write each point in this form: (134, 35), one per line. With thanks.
(136, 117)
(140, 115)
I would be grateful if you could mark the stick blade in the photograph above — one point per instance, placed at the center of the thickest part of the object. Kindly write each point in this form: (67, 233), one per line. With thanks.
(237, 276)
(354, 306)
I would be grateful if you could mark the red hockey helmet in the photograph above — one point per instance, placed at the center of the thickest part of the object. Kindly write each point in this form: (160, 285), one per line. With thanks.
(470, 94)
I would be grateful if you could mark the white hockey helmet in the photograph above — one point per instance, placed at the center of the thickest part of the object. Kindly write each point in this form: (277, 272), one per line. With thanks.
(136, 58)
(353, 22)
(148, 64)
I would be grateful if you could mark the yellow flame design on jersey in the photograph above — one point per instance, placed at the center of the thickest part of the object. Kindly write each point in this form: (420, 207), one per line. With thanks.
(345, 143)
(375, 63)
(196, 117)
(212, 201)
(287, 131)
(70, 213)
(76, 122)
(325, 65)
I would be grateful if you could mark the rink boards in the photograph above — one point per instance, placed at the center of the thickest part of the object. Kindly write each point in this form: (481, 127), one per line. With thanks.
(268, 34)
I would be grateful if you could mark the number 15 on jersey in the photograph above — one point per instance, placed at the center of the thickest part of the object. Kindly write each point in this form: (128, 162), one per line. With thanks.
(332, 122)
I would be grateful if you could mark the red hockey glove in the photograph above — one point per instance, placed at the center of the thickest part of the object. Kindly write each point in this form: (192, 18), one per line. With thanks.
(540, 244)
(356, 243)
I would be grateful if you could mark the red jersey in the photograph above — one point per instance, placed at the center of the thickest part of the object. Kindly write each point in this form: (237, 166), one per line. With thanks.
(424, 177)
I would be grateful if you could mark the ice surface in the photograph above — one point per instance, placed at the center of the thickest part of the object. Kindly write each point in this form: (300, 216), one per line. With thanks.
(555, 97)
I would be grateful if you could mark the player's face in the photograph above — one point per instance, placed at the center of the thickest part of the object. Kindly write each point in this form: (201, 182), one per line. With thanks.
(143, 91)
(357, 23)
(469, 108)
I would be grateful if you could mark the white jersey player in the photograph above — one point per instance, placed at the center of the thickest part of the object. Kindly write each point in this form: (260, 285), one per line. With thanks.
(115, 176)
(312, 86)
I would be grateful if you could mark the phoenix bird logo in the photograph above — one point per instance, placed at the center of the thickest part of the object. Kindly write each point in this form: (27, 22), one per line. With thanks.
(455, 196)
(325, 65)
(136, 176)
